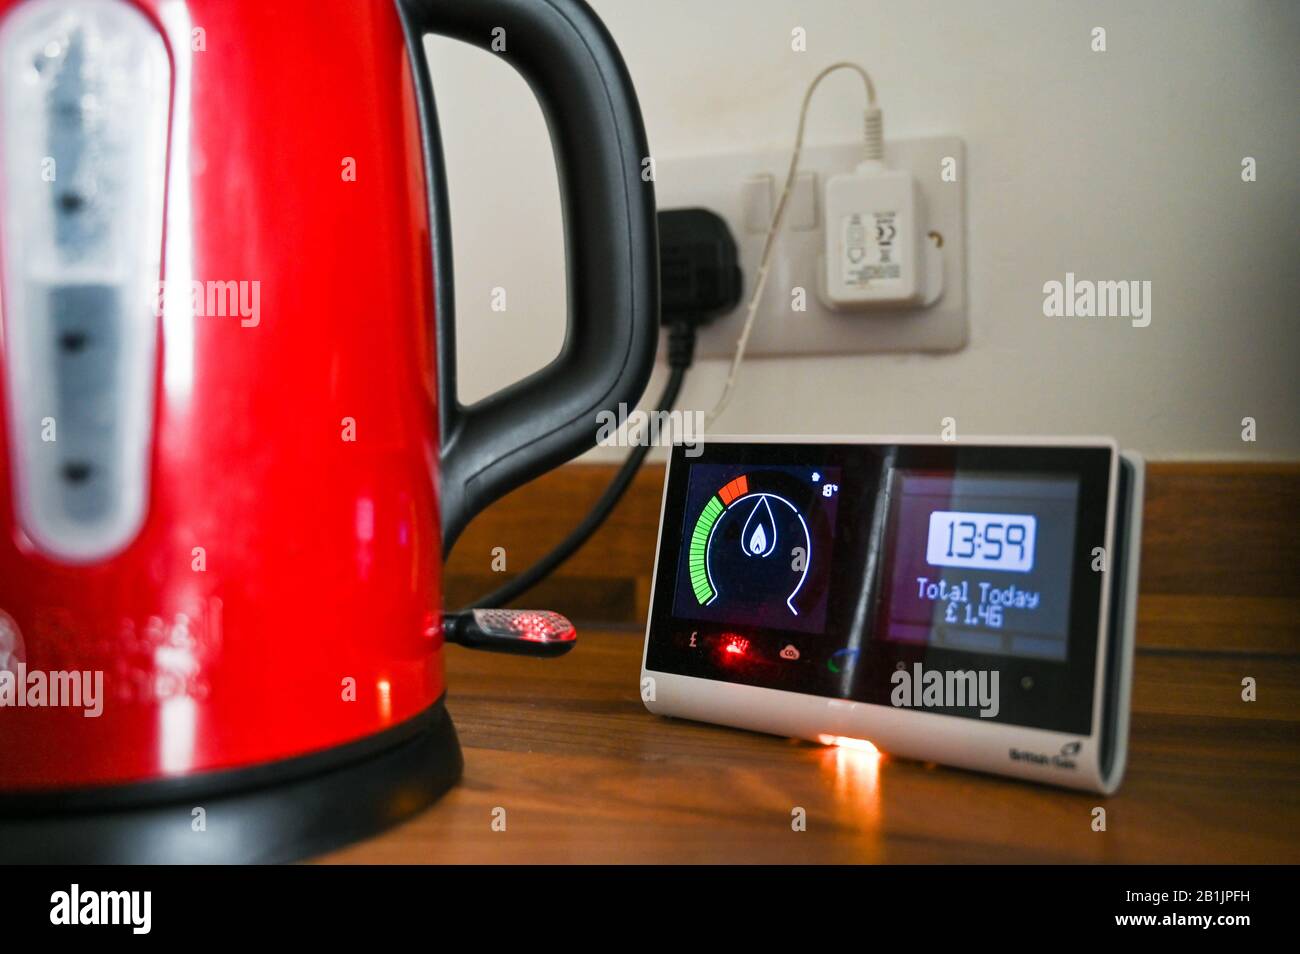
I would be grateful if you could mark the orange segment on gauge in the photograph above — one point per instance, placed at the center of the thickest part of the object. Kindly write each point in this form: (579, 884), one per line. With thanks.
(736, 488)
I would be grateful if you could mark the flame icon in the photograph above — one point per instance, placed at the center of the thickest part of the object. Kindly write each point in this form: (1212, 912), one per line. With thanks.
(761, 540)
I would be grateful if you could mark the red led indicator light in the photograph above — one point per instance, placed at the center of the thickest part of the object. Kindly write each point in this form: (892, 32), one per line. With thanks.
(736, 645)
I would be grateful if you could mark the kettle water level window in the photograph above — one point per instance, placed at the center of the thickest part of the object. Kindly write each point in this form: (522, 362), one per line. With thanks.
(85, 94)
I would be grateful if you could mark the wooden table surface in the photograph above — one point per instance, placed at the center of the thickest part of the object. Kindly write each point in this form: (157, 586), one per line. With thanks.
(585, 774)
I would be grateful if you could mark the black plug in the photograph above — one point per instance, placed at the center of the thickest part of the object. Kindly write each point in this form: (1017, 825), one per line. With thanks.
(699, 276)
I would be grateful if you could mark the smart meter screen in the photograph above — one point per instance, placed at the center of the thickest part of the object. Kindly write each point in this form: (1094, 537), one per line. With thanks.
(758, 546)
(826, 569)
(980, 562)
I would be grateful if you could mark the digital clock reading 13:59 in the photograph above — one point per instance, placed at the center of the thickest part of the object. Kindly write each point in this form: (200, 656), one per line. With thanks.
(988, 541)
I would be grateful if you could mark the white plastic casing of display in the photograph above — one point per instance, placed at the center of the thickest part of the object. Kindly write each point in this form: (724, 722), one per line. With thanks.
(1067, 760)
(85, 87)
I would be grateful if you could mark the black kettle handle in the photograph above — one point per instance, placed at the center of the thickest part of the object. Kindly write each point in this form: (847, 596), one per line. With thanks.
(611, 246)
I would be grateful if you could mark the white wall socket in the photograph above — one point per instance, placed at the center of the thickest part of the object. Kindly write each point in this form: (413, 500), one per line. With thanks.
(743, 188)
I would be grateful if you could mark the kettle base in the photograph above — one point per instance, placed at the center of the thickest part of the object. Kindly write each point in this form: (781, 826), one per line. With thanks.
(274, 813)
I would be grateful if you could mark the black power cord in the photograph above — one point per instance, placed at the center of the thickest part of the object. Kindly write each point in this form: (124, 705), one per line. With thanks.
(699, 280)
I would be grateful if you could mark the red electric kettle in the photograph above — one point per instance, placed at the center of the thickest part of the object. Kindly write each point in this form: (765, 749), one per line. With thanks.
(231, 453)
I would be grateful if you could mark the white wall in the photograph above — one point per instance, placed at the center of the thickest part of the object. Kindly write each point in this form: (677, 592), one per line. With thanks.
(1117, 165)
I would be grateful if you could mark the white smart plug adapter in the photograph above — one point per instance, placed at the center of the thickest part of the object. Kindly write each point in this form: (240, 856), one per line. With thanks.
(876, 251)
